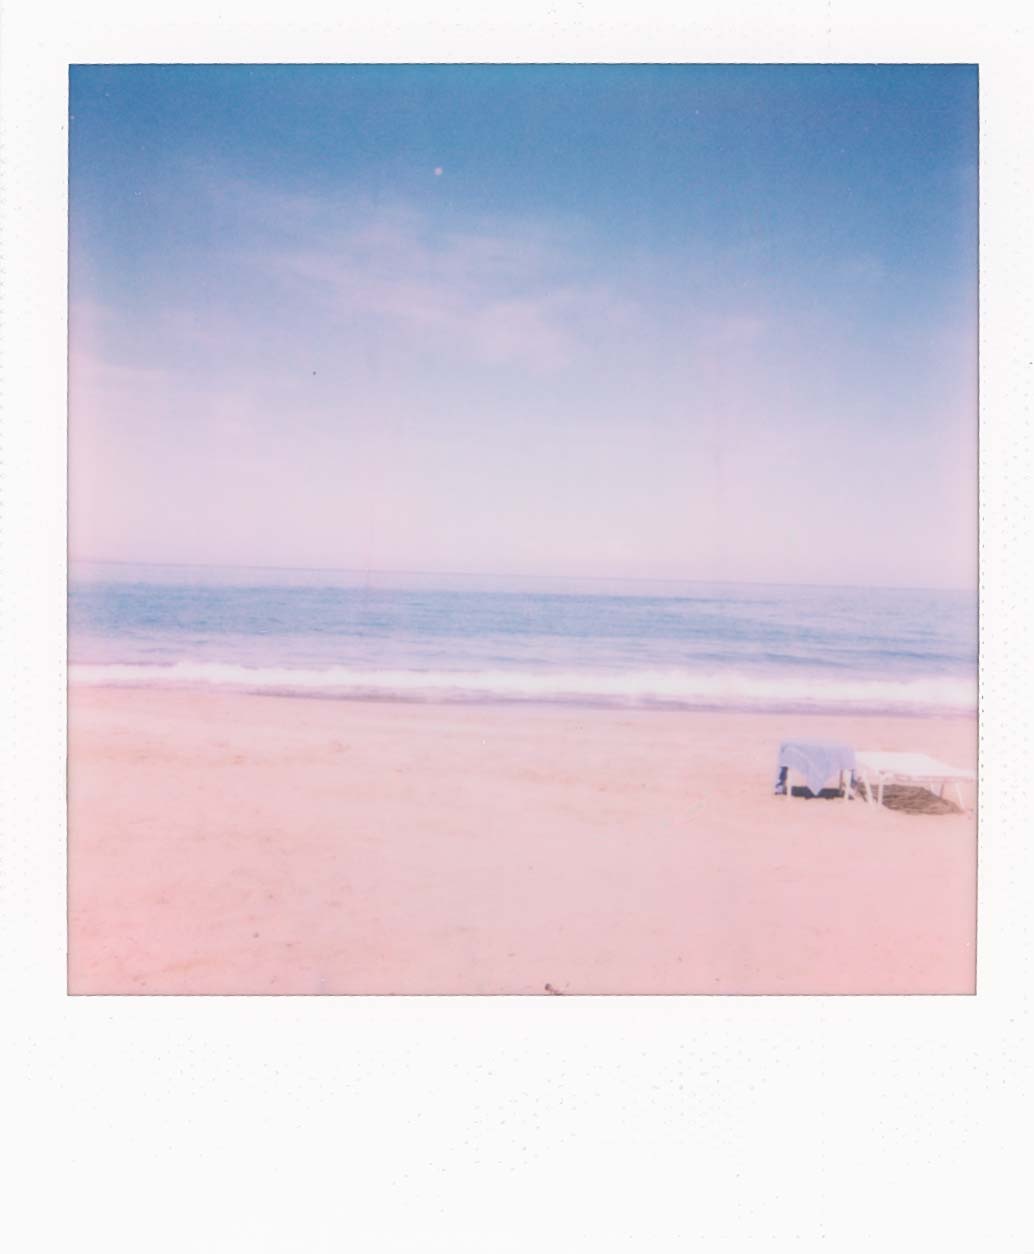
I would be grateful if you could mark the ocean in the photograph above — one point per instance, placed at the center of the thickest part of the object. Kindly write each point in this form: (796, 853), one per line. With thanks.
(365, 635)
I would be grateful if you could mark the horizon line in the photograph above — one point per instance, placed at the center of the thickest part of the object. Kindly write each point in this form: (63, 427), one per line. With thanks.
(480, 574)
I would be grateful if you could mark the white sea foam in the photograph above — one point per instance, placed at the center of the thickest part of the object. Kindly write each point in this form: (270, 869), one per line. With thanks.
(684, 688)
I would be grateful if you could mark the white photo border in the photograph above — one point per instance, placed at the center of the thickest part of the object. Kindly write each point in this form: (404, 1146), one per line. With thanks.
(503, 1124)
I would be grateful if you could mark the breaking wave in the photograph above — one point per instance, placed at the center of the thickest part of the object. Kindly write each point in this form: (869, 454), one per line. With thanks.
(683, 689)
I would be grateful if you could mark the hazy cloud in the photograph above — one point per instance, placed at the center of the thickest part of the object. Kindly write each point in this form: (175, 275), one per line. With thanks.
(497, 292)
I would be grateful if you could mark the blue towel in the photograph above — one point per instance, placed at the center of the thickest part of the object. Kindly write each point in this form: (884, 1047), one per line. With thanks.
(816, 760)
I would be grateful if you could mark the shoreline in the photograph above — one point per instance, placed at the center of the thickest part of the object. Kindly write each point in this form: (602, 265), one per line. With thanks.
(224, 843)
(790, 709)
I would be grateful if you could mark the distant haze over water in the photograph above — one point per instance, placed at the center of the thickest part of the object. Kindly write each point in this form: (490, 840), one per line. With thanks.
(383, 635)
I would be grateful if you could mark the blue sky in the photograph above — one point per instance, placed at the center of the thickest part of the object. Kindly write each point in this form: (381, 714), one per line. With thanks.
(682, 321)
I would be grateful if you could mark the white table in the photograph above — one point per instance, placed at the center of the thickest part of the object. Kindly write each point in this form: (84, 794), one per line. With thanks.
(875, 768)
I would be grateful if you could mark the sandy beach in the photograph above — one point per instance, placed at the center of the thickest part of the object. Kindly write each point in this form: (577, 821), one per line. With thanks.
(230, 843)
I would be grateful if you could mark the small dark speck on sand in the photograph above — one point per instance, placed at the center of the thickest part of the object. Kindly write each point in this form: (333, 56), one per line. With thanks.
(555, 991)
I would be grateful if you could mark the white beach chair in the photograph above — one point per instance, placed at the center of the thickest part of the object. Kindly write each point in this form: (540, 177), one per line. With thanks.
(815, 763)
(875, 768)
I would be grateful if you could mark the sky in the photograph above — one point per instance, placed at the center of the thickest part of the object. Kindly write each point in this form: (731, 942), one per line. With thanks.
(690, 322)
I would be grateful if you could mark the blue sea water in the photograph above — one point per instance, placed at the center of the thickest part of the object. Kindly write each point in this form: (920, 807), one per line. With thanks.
(466, 637)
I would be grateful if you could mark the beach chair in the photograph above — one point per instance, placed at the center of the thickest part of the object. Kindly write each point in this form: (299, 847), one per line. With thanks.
(815, 762)
(876, 768)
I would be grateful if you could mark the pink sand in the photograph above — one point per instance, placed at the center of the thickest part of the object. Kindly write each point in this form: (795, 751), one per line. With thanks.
(227, 843)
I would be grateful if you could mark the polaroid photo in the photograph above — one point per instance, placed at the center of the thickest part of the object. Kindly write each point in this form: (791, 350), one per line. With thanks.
(515, 553)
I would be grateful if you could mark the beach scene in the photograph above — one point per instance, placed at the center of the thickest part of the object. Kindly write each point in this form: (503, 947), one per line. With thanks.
(522, 530)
